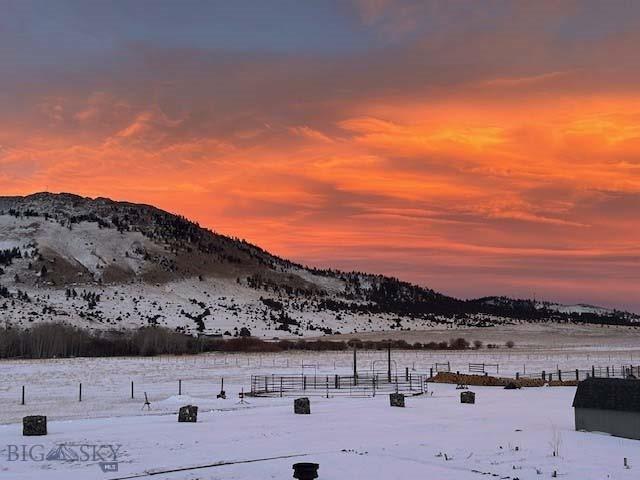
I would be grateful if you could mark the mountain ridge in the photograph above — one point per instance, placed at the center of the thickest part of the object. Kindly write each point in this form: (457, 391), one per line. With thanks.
(104, 265)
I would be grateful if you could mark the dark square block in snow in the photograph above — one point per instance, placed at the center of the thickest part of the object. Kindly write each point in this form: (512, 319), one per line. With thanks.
(305, 471)
(188, 413)
(302, 406)
(467, 397)
(34, 425)
(396, 399)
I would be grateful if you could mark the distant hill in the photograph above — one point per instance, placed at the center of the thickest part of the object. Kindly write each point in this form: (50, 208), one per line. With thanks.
(106, 265)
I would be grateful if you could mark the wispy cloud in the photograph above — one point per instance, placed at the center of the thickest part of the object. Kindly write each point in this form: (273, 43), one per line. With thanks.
(477, 150)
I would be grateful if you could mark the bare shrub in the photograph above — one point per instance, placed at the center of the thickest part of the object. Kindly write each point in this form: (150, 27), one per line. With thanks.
(458, 344)
(556, 442)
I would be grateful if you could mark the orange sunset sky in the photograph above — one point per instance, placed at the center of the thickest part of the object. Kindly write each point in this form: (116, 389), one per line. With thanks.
(477, 148)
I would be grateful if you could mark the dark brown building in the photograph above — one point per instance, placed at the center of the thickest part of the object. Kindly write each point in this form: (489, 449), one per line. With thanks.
(608, 405)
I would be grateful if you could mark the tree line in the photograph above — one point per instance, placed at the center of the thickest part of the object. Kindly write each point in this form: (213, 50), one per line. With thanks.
(58, 340)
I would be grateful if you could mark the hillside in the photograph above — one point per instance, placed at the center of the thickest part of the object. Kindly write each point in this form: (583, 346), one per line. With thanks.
(106, 265)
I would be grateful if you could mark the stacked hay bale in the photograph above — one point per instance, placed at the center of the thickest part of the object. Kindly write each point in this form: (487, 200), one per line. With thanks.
(488, 381)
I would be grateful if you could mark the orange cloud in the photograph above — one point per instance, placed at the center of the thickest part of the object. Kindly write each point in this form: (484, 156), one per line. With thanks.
(475, 182)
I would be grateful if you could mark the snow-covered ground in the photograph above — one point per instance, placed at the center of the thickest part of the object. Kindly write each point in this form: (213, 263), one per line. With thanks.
(52, 386)
(507, 434)
(95, 276)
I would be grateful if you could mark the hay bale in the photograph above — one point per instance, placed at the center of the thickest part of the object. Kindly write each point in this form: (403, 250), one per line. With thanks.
(463, 380)
(468, 397)
(488, 381)
(302, 406)
(188, 414)
(396, 399)
(34, 425)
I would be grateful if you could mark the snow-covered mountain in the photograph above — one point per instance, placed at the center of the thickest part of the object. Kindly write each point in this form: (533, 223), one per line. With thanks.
(108, 265)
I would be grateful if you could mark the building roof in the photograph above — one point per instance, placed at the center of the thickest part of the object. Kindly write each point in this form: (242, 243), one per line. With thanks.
(608, 394)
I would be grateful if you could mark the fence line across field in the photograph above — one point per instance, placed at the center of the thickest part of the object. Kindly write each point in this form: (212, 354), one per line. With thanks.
(132, 390)
(310, 379)
(609, 371)
(201, 375)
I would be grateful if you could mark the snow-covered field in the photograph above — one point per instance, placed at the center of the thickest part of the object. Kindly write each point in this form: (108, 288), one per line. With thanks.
(52, 386)
(507, 433)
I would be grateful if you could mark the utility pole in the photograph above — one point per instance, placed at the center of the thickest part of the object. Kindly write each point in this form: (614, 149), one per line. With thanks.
(355, 362)
(389, 362)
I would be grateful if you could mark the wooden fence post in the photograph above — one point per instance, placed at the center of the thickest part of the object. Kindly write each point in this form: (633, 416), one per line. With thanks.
(131, 389)
(544, 375)
(179, 387)
(22, 394)
(80, 393)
